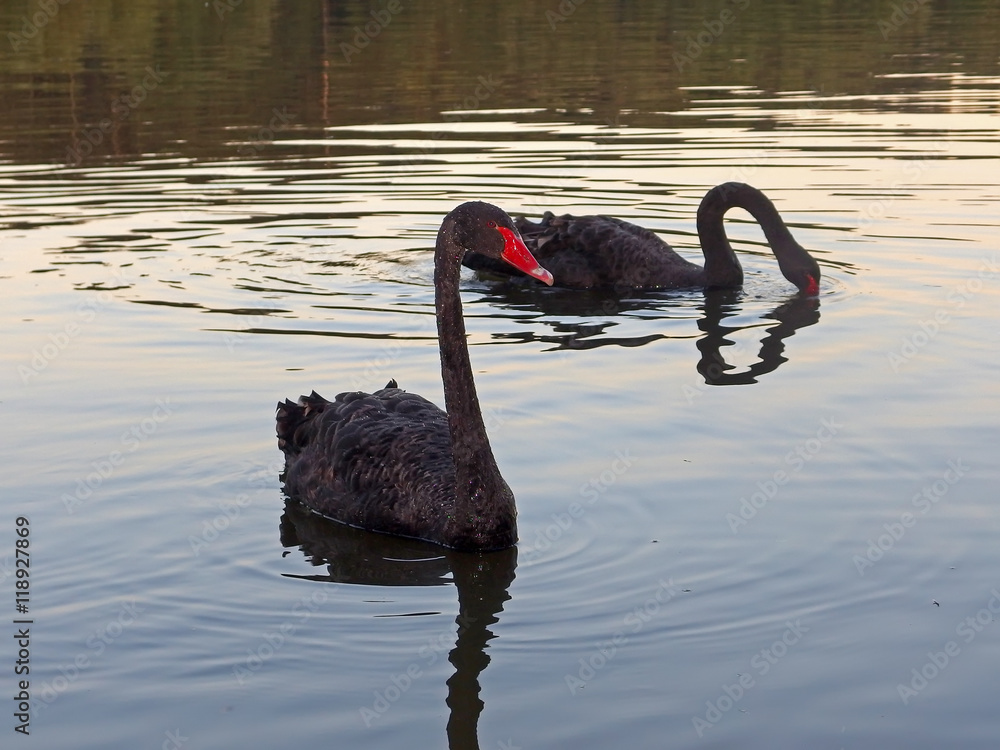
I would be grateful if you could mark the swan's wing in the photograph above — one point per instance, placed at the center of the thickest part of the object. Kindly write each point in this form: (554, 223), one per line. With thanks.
(603, 251)
(588, 252)
(377, 461)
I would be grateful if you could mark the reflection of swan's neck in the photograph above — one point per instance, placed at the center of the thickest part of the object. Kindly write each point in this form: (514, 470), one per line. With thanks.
(484, 505)
(721, 265)
(799, 312)
(482, 581)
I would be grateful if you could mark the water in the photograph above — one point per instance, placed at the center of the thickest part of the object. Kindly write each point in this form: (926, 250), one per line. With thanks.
(745, 518)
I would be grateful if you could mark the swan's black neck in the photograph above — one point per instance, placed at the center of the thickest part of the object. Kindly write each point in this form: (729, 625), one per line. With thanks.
(721, 265)
(484, 514)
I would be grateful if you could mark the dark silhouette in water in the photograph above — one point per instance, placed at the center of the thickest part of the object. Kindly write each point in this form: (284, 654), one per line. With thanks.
(798, 312)
(482, 581)
(595, 252)
(392, 461)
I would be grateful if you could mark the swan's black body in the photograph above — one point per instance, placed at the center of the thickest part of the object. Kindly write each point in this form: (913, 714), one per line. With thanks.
(392, 461)
(592, 252)
(380, 461)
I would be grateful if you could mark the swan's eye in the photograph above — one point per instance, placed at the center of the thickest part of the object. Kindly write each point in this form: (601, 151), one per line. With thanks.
(491, 224)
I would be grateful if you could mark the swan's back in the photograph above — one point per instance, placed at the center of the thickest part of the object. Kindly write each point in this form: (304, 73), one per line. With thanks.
(380, 461)
(602, 251)
(599, 252)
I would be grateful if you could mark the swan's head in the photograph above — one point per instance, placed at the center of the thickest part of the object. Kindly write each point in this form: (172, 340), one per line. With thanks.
(803, 271)
(484, 229)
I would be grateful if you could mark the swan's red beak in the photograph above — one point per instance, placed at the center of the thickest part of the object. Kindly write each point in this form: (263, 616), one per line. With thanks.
(812, 288)
(517, 254)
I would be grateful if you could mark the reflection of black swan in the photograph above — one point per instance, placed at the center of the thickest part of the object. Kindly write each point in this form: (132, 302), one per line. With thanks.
(585, 252)
(482, 581)
(393, 462)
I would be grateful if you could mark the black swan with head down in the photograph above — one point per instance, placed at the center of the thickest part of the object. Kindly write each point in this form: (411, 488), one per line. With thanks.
(392, 461)
(593, 252)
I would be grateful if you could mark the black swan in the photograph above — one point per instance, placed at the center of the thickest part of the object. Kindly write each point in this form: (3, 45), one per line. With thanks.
(587, 252)
(392, 461)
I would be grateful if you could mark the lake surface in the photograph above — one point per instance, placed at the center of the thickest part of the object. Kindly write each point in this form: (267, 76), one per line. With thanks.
(747, 519)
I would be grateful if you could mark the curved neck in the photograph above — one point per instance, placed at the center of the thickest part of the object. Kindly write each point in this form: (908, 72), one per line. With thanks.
(484, 505)
(721, 265)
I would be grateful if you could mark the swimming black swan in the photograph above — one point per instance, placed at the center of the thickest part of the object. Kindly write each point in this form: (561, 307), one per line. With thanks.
(586, 252)
(392, 461)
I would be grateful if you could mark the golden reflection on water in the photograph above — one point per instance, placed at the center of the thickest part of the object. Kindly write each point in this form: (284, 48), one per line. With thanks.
(226, 83)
